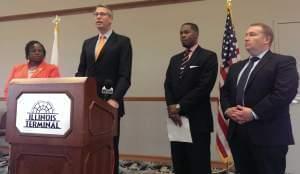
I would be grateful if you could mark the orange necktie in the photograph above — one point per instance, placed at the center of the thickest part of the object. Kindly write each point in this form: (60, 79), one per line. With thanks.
(100, 45)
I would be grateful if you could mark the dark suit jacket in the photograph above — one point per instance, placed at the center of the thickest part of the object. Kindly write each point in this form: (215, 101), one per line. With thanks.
(271, 87)
(114, 63)
(192, 92)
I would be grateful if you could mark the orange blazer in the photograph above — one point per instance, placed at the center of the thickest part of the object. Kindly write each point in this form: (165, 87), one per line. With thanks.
(44, 70)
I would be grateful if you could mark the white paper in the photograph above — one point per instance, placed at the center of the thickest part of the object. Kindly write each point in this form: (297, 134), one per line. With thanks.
(179, 134)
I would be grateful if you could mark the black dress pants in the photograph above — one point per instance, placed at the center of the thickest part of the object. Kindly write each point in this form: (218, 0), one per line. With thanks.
(250, 158)
(116, 148)
(192, 158)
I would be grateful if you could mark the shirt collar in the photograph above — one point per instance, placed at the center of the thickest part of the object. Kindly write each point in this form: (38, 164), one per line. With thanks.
(107, 34)
(193, 48)
(261, 55)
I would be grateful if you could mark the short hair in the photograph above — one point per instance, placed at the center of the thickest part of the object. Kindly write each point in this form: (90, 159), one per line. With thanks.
(193, 26)
(106, 7)
(30, 45)
(267, 30)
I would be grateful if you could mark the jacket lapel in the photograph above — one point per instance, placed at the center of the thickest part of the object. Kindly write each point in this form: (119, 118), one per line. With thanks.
(93, 47)
(194, 55)
(192, 59)
(24, 71)
(258, 67)
(238, 70)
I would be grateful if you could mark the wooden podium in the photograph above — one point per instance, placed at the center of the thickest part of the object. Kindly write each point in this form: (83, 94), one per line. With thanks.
(59, 126)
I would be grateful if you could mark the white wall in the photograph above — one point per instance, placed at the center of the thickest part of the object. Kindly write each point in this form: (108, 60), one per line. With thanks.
(153, 30)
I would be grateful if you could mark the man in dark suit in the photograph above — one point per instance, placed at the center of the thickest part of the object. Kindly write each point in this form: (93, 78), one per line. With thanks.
(190, 77)
(256, 98)
(108, 58)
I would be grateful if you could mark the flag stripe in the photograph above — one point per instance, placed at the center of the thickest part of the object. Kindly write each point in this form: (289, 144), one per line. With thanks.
(221, 148)
(223, 74)
(222, 123)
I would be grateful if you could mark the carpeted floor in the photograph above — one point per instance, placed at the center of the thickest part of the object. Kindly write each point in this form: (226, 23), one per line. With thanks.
(142, 167)
(3, 163)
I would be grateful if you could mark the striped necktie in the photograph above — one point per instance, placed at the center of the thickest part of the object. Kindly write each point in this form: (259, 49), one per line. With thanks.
(184, 61)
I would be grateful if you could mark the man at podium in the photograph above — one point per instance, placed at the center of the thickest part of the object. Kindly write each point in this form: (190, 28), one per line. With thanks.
(108, 58)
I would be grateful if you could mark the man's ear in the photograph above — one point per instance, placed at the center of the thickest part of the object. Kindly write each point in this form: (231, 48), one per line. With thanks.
(268, 40)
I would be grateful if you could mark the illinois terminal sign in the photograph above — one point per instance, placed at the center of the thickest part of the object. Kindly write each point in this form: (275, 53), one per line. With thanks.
(43, 113)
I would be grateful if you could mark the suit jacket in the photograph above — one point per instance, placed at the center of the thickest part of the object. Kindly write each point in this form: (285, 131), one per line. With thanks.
(192, 91)
(44, 70)
(114, 63)
(271, 87)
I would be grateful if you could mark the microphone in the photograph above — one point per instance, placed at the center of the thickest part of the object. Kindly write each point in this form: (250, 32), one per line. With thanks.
(107, 90)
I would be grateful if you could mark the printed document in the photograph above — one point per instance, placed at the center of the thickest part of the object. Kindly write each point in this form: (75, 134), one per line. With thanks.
(179, 134)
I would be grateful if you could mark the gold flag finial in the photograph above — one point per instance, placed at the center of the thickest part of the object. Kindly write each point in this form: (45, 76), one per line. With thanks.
(229, 5)
(56, 20)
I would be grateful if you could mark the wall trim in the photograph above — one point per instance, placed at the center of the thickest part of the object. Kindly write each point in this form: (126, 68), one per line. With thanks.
(74, 11)
(144, 98)
(212, 99)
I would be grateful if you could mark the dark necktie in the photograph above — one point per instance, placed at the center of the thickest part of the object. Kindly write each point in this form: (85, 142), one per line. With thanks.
(241, 86)
(184, 62)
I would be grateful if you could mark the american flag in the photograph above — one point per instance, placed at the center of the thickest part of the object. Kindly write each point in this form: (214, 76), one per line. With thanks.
(230, 55)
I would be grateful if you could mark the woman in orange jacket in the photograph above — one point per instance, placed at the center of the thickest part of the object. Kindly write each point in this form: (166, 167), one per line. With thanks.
(36, 67)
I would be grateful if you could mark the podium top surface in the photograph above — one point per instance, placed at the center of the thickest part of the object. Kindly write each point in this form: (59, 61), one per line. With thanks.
(61, 80)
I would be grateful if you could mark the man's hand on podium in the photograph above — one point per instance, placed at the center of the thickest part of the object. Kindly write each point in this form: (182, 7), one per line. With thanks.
(113, 103)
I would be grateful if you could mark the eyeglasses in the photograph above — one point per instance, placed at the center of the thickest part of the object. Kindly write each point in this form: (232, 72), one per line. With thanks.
(101, 14)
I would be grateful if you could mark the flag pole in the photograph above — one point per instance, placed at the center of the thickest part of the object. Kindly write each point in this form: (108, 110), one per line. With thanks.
(54, 55)
(228, 8)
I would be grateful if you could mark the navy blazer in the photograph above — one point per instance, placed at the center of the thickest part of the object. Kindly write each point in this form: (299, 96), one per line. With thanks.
(192, 91)
(271, 88)
(114, 63)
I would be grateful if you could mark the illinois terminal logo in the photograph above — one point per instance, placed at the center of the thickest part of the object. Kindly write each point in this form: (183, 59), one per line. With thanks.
(42, 115)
